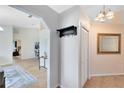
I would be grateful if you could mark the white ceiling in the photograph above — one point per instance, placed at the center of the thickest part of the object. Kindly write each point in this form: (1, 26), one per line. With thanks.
(13, 17)
(16, 18)
(92, 11)
(60, 8)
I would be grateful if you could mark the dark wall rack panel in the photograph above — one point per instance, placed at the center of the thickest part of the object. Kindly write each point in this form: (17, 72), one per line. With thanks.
(71, 30)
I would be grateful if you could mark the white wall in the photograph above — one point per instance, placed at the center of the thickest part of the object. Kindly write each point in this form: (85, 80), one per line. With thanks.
(28, 37)
(6, 45)
(106, 64)
(69, 17)
(84, 20)
(69, 50)
(69, 61)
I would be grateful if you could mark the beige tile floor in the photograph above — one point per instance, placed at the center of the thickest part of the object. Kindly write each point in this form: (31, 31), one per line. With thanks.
(31, 65)
(106, 82)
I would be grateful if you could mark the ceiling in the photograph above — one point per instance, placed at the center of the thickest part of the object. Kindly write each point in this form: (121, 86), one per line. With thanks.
(13, 17)
(60, 8)
(92, 11)
(16, 18)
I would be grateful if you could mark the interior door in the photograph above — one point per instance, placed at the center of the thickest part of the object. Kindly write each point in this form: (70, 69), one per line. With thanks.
(84, 56)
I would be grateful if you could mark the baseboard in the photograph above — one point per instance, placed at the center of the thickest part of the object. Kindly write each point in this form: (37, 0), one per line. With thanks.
(61, 86)
(57, 86)
(28, 58)
(109, 74)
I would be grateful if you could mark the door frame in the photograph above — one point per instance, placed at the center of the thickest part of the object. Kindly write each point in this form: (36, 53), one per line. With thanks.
(43, 26)
(82, 28)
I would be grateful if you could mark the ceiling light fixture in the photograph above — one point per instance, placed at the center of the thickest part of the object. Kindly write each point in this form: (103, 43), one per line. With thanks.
(30, 16)
(105, 14)
(1, 28)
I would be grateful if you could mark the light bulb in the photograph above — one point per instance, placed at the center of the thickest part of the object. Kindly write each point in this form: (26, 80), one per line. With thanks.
(1, 29)
(102, 19)
(96, 19)
(109, 14)
(101, 15)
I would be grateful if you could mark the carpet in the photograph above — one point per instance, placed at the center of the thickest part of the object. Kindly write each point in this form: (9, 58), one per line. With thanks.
(17, 77)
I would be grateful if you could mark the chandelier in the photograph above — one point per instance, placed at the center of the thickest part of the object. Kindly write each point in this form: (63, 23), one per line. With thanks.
(105, 14)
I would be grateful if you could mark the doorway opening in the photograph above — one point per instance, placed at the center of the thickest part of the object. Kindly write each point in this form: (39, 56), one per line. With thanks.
(17, 48)
(30, 51)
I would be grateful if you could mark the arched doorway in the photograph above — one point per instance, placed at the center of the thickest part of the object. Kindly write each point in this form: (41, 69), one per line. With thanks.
(44, 46)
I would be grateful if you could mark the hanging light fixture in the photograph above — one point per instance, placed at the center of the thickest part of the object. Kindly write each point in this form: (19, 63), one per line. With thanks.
(1, 28)
(105, 14)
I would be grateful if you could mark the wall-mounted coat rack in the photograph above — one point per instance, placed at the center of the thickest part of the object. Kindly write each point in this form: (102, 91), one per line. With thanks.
(71, 30)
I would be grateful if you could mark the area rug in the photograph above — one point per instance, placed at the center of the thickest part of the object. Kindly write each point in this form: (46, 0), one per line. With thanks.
(17, 77)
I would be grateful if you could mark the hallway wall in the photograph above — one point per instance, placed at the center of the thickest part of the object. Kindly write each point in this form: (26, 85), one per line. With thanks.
(6, 44)
(106, 64)
(69, 49)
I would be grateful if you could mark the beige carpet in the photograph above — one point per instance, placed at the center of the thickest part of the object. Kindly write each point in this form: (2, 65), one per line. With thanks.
(106, 82)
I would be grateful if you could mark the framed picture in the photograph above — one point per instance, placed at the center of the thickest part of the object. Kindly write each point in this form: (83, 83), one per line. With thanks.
(108, 43)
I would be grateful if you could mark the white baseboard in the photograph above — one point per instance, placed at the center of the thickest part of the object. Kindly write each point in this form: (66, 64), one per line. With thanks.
(62, 86)
(108, 74)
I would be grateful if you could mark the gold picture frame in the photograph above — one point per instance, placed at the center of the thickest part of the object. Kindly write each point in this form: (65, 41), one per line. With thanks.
(108, 43)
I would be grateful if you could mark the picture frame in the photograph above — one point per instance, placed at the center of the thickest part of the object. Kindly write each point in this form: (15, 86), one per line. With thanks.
(108, 43)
